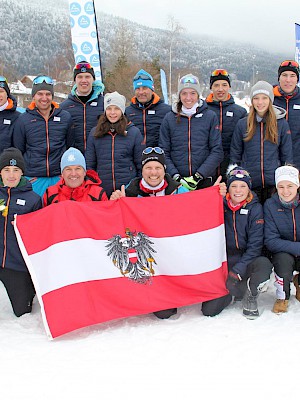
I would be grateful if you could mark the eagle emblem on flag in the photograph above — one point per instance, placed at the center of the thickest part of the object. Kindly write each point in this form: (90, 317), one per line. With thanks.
(133, 255)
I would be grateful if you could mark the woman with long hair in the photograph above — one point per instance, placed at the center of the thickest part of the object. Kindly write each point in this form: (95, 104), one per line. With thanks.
(261, 141)
(114, 147)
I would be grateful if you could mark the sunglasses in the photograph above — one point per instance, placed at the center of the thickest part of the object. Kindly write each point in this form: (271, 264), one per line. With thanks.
(40, 79)
(83, 66)
(289, 63)
(144, 77)
(218, 72)
(189, 79)
(239, 173)
(3, 79)
(156, 150)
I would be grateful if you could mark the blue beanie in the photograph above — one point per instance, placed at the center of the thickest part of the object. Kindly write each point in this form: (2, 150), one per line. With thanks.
(143, 78)
(72, 156)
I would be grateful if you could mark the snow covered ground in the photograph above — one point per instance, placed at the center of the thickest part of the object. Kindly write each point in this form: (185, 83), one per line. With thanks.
(191, 357)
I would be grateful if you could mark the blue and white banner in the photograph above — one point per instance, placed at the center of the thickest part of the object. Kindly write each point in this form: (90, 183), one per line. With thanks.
(163, 82)
(84, 34)
(297, 53)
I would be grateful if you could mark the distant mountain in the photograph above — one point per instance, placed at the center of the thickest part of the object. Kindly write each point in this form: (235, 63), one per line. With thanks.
(35, 32)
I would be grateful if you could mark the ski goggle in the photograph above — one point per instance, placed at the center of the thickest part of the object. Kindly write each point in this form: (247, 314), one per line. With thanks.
(144, 77)
(150, 150)
(239, 173)
(3, 79)
(289, 63)
(218, 72)
(40, 79)
(83, 65)
(189, 79)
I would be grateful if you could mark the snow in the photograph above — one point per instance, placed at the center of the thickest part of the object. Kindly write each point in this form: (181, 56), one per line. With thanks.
(142, 357)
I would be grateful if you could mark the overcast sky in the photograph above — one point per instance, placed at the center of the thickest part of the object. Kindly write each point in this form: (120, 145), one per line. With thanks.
(267, 23)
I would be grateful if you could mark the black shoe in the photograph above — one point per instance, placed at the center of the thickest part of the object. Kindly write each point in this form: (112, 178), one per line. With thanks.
(250, 309)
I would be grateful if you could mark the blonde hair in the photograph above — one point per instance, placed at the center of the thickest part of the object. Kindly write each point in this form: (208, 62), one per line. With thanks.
(271, 132)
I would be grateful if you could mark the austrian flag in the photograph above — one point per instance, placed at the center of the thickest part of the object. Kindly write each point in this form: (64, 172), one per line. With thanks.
(99, 261)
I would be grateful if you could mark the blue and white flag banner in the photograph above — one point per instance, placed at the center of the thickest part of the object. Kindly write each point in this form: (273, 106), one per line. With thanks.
(297, 53)
(84, 34)
(163, 82)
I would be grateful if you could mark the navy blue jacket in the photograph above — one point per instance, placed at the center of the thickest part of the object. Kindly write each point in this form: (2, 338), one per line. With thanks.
(261, 157)
(244, 231)
(84, 115)
(116, 158)
(20, 200)
(228, 114)
(282, 227)
(192, 145)
(148, 119)
(292, 107)
(7, 120)
(43, 142)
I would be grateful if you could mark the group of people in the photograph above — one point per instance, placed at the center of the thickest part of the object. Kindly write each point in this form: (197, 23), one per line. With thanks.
(92, 147)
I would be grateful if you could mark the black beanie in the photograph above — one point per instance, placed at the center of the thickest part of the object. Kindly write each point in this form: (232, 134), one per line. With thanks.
(83, 67)
(290, 67)
(4, 85)
(42, 86)
(12, 157)
(218, 77)
(154, 154)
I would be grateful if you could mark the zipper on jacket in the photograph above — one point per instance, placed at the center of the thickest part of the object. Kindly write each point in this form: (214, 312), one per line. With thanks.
(235, 231)
(47, 140)
(5, 230)
(190, 146)
(294, 225)
(113, 160)
(262, 153)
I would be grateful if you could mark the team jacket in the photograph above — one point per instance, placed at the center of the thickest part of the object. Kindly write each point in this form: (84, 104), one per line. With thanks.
(89, 190)
(292, 106)
(20, 200)
(244, 234)
(84, 115)
(282, 227)
(43, 142)
(228, 114)
(116, 158)
(148, 119)
(8, 118)
(193, 144)
(260, 157)
(134, 190)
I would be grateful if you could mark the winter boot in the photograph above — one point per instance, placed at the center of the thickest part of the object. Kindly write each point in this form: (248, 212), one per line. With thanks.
(250, 309)
(280, 306)
(296, 284)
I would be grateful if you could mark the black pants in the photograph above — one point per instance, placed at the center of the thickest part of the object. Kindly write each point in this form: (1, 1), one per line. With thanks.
(213, 307)
(284, 266)
(258, 272)
(19, 288)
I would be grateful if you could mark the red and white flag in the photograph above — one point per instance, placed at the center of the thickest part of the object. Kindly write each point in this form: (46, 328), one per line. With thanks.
(95, 262)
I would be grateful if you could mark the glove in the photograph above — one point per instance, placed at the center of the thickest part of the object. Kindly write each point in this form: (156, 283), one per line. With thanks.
(176, 177)
(232, 283)
(191, 182)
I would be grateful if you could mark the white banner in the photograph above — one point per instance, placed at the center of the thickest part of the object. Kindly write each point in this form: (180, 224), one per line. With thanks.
(84, 34)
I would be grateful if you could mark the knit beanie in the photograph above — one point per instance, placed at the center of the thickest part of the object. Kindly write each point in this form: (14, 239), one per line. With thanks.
(83, 67)
(262, 87)
(4, 85)
(221, 76)
(287, 173)
(236, 173)
(70, 157)
(189, 81)
(115, 99)
(41, 84)
(154, 154)
(12, 157)
(288, 67)
(143, 78)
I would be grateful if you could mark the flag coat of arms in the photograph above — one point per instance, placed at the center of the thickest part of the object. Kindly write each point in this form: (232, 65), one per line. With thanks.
(99, 261)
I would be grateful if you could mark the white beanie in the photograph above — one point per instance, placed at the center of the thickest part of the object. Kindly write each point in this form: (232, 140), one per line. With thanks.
(115, 99)
(262, 87)
(189, 81)
(287, 173)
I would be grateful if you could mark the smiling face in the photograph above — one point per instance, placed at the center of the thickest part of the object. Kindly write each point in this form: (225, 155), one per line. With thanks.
(188, 97)
(11, 176)
(287, 191)
(288, 81)
(153, 173)
(220, 90)
(73, 175)
(113, 114)
(143, 94)
(43, 100)
(84, 82)
(238, 191)
(261, 103)
(3, 96)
